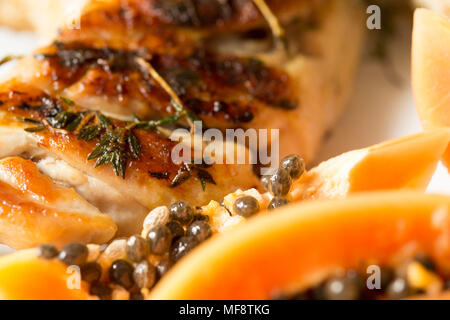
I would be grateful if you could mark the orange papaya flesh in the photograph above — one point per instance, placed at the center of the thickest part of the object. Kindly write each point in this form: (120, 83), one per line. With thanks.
(302, 244)
(404, 163)
(431, 70)
(24, 276)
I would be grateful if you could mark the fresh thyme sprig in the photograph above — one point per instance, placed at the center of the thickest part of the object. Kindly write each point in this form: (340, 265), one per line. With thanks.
(278, 32)
(116, 146)
(176, 102)
(118, 60)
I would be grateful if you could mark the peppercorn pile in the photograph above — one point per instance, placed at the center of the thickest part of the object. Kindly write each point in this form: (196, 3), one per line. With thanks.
(236, 207)
(414, 277)
(129, 268)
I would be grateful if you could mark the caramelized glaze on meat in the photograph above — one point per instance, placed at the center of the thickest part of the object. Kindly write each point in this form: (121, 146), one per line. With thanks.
(224, 88)
(150, 180)
(219, 58)
(224, 67)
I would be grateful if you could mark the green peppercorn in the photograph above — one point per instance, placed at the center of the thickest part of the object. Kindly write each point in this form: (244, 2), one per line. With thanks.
(280, 183)
(162, 268)
(182, 212)
(91, 272)
(182, 247)
(277, 203)
(265, 182)
(176, 229)
(121, 273)
(159, 239)
(201, 217)
(74, 254)
(200, 230)
(137, 248)
(47, 251)
(294, 165)
(246, 206)
(144, 275)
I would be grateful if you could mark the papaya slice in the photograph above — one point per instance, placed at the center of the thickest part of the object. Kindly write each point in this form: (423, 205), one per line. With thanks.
(30, 199)
(431, 69)
(24, 276)
(303, 243)
(404, 163)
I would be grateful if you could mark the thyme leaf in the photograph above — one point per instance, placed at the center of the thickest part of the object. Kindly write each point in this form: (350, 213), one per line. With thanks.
(204, 177)
(67, 101)
(278, 32)
(36, 129)
(111, 149)
(117, 145)
(133, 142)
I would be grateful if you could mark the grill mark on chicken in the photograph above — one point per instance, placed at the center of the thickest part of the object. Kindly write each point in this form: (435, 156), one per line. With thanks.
(199, 12)
(210, 85)
(215, 15)
(203, 13)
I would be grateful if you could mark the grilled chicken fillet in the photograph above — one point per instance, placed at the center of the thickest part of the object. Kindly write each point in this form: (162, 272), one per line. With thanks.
(72, 107)
(219, 57)
(148, 181)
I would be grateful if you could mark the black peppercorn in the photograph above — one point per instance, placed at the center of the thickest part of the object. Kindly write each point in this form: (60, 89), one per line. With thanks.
(47, 251)
(121, 273)
(74, 254)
